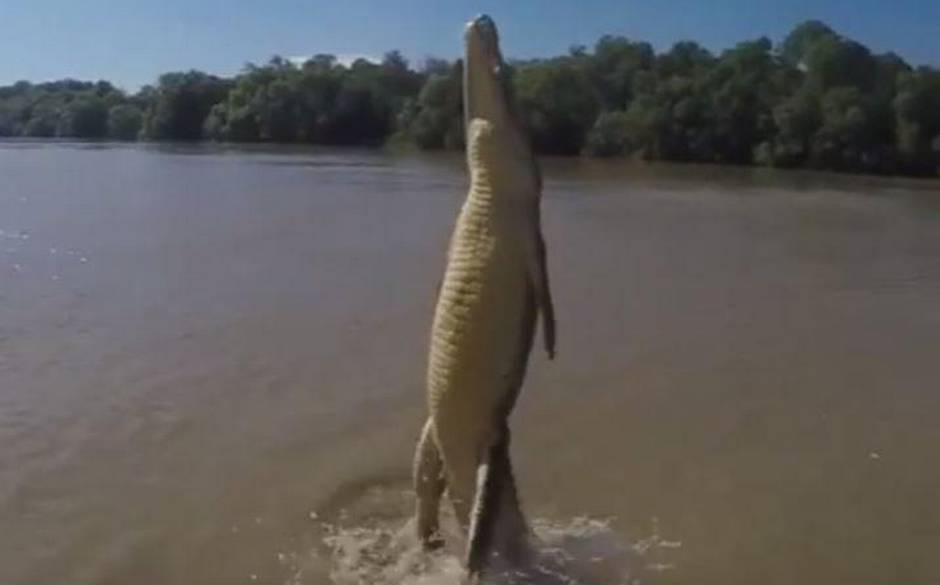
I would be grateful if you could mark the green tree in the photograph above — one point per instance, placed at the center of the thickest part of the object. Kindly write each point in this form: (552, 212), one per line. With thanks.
(647, 122)
(613, 67)
(435, 118)
(833, 61)
(182, 103)
(610, 135)
(684, 59)
(42, 120)
(820, 100)
(843, 139)
(361, 115)
(85, 117)
(797, 119)
(124, 122)
(397, 79)
(917, 111)
(742, 100)
(801, 39)
(557, 103)
(319, 85)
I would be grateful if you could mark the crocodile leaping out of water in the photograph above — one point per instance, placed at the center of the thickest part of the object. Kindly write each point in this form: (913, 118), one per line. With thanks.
(494, 286)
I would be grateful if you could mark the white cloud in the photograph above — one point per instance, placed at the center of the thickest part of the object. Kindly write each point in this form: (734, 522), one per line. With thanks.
(345, 59)
(348, 59)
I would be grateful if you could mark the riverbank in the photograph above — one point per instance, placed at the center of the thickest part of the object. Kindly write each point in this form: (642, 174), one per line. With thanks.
(816, 99)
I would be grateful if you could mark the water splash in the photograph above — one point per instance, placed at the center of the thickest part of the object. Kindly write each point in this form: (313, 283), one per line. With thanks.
(359, 548)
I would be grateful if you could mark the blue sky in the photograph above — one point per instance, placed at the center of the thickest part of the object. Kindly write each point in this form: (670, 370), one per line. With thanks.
(131, 42)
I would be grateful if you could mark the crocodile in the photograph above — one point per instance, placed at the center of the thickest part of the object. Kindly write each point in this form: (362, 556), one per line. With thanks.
(495, 285)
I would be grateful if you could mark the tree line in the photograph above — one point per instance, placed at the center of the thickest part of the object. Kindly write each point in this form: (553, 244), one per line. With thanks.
(817, 99)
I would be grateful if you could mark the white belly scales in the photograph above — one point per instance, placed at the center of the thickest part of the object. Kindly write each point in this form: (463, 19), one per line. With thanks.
(480, 338)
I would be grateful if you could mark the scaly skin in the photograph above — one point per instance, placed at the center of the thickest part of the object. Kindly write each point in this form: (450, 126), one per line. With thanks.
(481, 335)
(494, 284)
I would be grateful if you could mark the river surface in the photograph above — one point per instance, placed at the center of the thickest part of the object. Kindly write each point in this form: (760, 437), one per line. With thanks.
(212, 360)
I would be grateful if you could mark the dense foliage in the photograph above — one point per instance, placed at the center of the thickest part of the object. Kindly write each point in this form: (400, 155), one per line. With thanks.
(68, 109)
(816, 100)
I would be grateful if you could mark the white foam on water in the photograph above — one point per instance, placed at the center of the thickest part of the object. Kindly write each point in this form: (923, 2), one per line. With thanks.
(579, 551)
(379, 556)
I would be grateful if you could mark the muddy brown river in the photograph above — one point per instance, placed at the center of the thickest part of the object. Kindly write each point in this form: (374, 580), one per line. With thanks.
(212, 360)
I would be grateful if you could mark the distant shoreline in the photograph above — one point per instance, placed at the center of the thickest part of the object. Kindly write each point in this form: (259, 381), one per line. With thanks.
(816, 100)
(630, 166)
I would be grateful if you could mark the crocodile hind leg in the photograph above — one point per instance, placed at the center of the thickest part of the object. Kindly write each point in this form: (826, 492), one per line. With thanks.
(498, 530)
(429, 486)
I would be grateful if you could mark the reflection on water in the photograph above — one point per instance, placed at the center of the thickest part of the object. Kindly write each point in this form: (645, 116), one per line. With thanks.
(209, 355)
